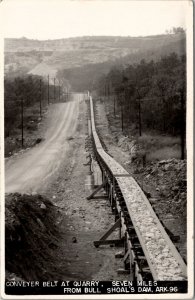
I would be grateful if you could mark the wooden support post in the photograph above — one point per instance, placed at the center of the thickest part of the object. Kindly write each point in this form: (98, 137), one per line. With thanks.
(107, 242)
(96, 190)
(116, 225)
(103, 176)
(126, 256)
(103, 241)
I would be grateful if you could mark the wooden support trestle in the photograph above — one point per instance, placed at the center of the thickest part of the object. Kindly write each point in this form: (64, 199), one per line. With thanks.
(103, 240)
(97, 190)
(126, 256)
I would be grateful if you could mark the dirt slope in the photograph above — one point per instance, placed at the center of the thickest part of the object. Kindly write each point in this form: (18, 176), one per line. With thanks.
(31, 171)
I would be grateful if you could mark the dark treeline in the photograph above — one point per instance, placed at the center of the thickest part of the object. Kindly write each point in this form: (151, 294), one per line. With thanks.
(21, 96)
(149, 95)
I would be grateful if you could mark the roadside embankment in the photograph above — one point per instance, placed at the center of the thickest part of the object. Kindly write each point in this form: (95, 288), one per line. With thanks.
(31, 234)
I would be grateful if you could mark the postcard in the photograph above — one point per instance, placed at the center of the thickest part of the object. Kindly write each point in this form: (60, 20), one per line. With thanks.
(96, 149)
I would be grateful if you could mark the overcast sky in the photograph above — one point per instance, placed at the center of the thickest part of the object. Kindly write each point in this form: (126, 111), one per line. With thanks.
(48, 19)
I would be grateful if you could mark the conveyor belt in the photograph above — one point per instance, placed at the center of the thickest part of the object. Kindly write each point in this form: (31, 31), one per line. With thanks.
(143, 232)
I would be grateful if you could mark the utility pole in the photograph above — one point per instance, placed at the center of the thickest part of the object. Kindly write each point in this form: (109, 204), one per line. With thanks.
(59, 91)
(164, 115)
(48, 89)
(108, 89)
(139, 113)
(140, 121)
(65, 94)
(122, 121)
(114, 105)
(40, 98)
(22, 120)
(54, 89)
(129, 106)
(21, 110)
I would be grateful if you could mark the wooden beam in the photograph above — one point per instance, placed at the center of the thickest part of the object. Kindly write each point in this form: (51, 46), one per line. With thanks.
(107, 242)
(96, 190)
(126, 256)
(103, 241)
(111, 229)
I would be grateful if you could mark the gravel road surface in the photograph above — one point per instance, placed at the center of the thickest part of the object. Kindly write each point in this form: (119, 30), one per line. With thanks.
(32, 170)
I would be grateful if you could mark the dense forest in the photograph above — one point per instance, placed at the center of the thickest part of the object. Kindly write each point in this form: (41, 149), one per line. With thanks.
(149, 95)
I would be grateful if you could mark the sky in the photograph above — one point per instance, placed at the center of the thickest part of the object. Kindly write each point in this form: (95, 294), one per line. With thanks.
(48, 19)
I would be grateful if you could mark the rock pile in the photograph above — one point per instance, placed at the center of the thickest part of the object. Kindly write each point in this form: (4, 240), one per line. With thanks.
(169, 179)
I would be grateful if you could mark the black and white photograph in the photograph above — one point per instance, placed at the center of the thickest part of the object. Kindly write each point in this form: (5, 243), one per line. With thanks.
(96, 149)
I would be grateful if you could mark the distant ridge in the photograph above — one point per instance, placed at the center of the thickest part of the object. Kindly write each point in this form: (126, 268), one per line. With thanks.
(25, 44)
(49, 56)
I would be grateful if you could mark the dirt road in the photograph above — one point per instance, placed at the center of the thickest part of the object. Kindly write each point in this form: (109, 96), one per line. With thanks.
(32, 170)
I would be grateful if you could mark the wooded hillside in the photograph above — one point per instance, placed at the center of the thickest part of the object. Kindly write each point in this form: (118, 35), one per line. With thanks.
(149, 95)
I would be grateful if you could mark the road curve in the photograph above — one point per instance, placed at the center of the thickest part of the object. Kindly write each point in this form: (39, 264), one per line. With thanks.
(30, 171)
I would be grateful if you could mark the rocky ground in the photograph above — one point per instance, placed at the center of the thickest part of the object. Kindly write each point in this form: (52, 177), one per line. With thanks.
(164, 182)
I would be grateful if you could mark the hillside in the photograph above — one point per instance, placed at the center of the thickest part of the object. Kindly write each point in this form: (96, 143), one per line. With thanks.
(91, 42)
(49, 56)
(86, 76)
